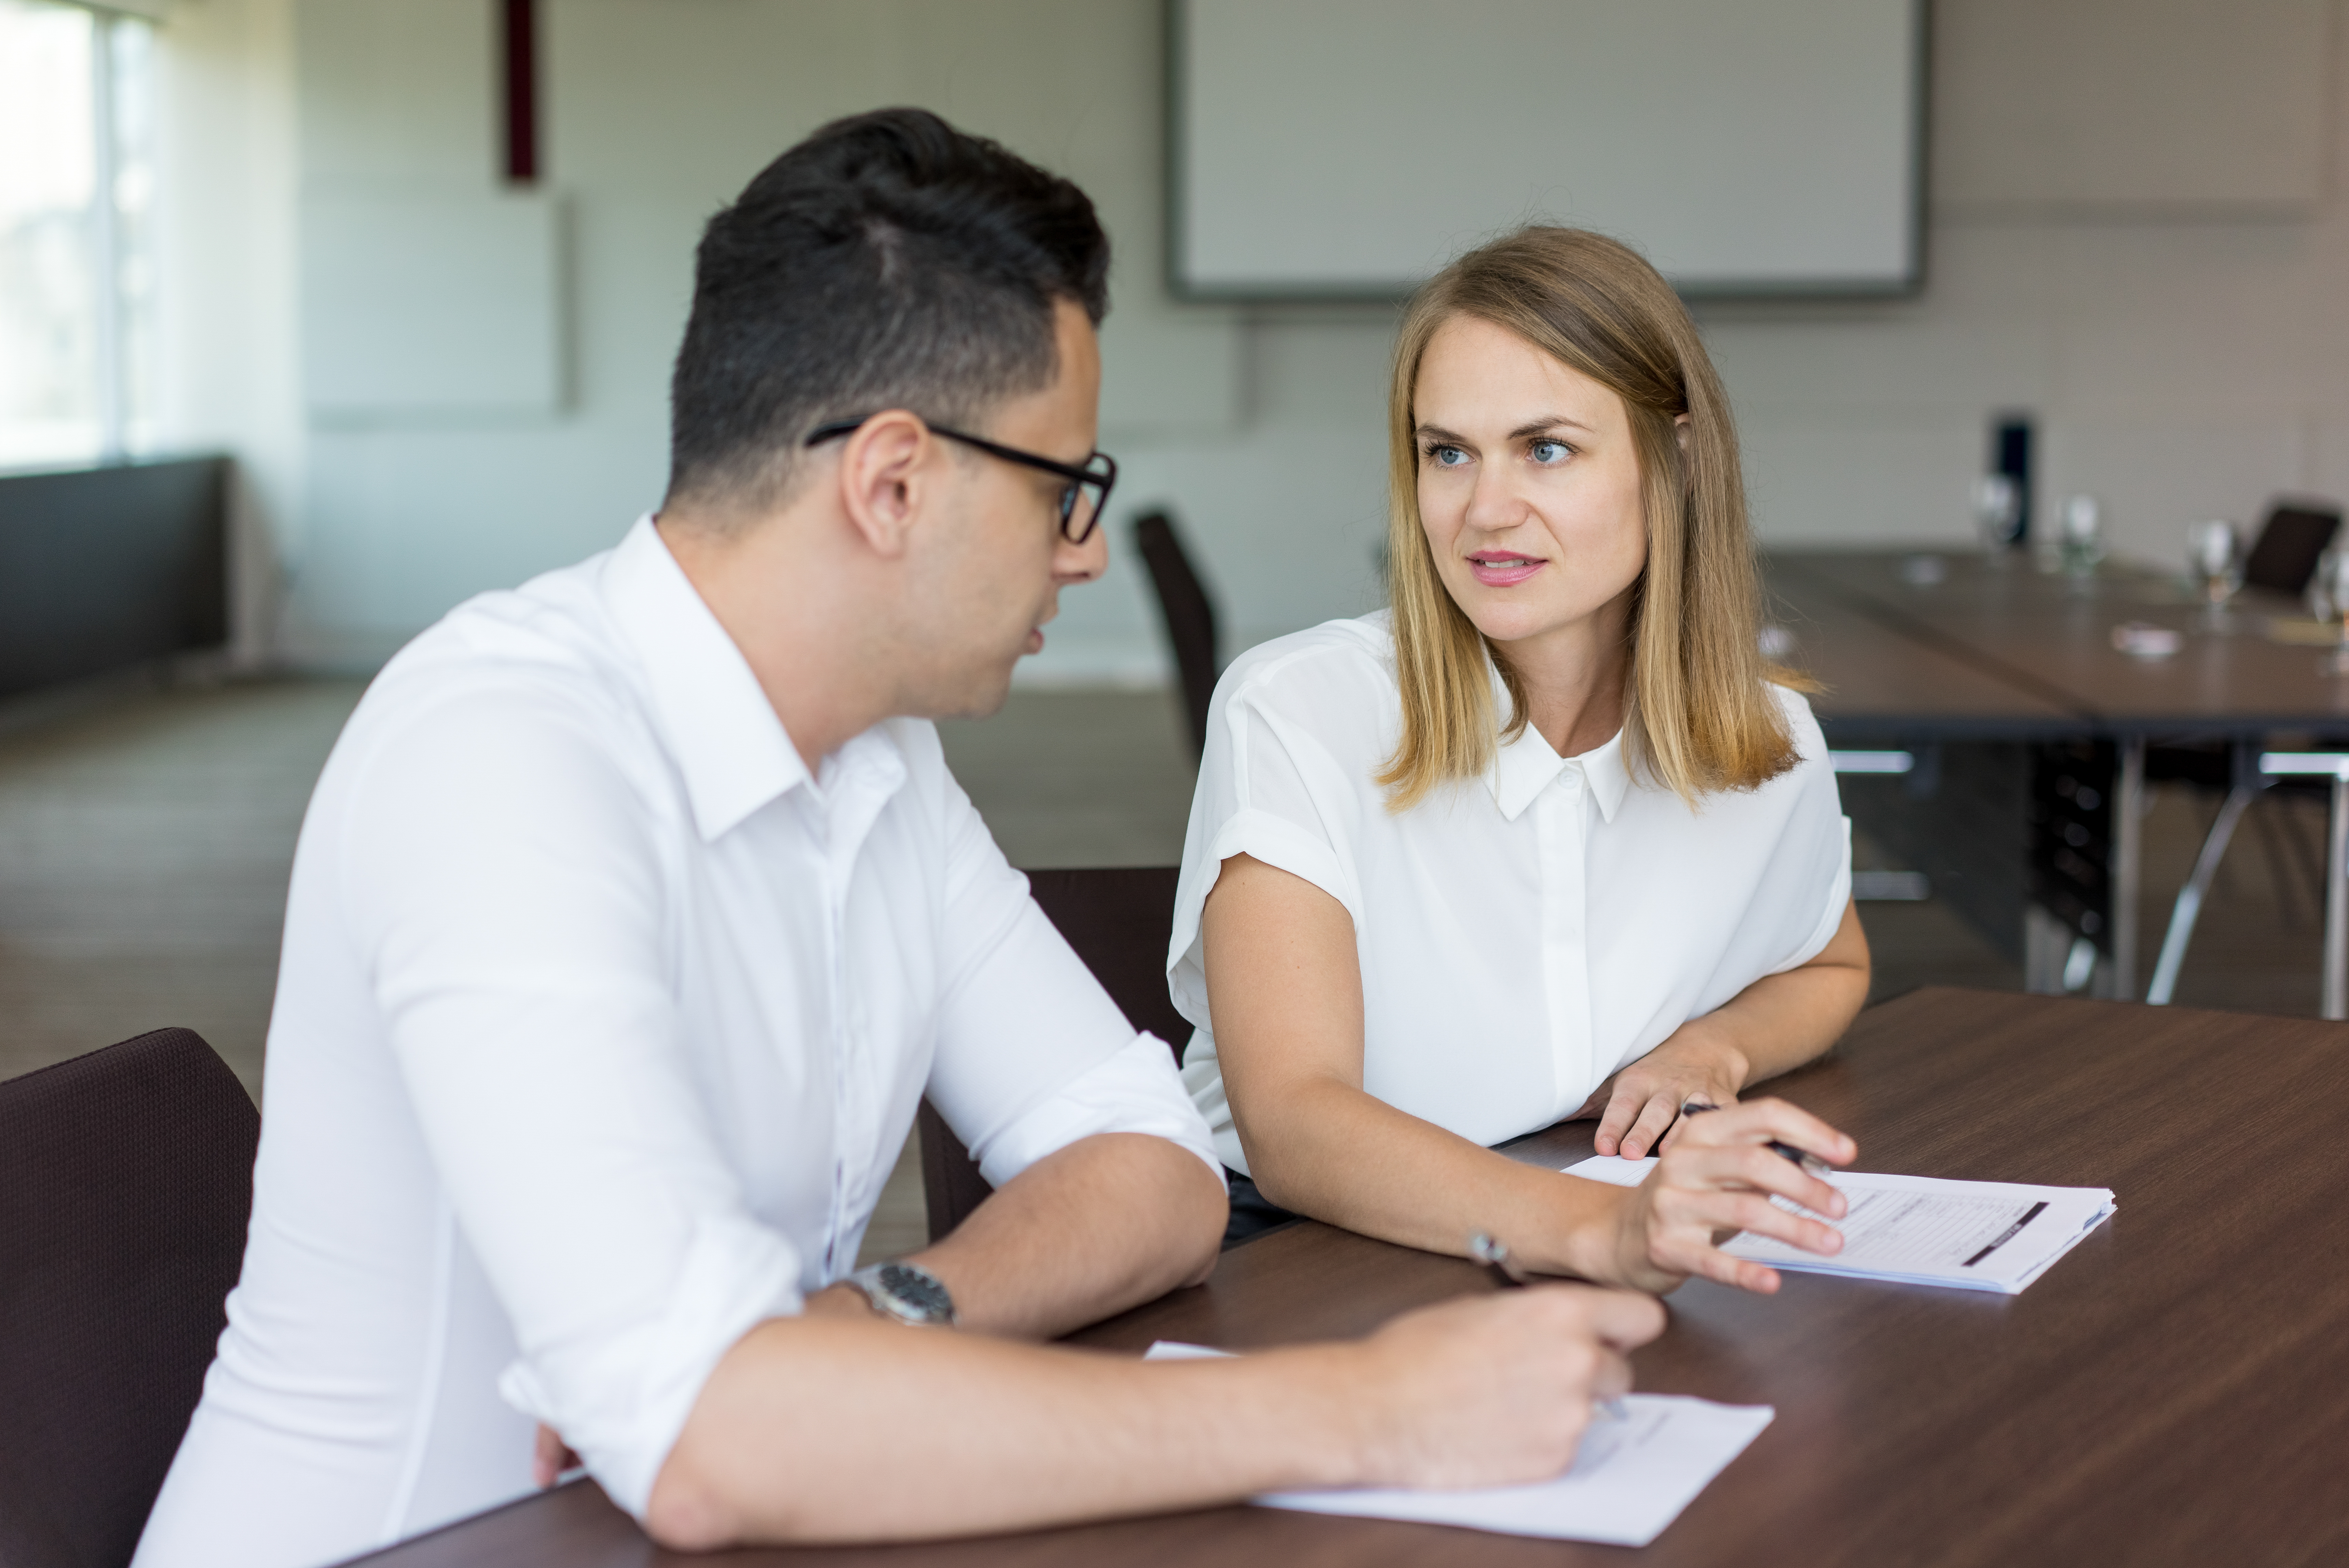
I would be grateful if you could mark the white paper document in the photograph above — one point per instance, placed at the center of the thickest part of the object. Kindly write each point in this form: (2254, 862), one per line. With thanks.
(1920, 1229)
(1630, 1478)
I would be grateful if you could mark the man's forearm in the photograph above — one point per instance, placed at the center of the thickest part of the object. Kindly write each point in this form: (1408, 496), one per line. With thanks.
(829, 1430)
(845, 1429)
(1107, 1223)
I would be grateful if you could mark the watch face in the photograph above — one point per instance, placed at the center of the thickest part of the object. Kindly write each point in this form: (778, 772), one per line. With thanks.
(917, 1289)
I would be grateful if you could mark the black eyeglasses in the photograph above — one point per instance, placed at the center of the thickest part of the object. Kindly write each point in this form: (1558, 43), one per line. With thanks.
(1081, 503)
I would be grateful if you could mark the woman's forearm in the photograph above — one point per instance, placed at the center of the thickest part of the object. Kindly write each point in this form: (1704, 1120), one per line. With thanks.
(1334, 1152)
(1779, 1023)
(1773, 1025)
(1782, 1021)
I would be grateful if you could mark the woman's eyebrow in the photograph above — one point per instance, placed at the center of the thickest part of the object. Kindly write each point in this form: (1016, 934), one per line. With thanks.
(1547, 424)
(1541, 426)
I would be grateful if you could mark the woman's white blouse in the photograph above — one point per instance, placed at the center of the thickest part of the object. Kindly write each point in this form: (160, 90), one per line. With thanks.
(1520, 937)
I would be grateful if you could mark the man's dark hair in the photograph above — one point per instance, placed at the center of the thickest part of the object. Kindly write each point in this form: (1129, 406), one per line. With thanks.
(888, 261)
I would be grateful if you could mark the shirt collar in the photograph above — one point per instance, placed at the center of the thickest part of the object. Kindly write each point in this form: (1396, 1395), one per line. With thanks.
(720, 730)
(1524, 767)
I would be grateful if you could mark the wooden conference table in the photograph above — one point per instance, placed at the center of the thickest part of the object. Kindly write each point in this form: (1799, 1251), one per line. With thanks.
(1923, 648)
(2174, 1390)
(1977, 646)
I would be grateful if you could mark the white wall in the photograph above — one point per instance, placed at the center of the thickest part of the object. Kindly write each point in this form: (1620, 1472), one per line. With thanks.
(2138, 231)
(225, 229)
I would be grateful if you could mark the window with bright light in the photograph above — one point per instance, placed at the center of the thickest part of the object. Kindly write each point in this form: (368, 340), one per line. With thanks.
(76, 229)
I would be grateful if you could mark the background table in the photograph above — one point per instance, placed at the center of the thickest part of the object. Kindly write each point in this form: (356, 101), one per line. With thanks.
(2046, 639)
(2006, 678)
(2176, 1390)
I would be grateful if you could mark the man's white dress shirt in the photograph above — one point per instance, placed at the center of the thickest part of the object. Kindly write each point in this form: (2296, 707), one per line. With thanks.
(1521, 936)
(599, 1026)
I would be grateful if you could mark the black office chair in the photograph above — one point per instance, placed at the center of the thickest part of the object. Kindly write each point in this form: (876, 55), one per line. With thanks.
(1120, 920)
(126, 1180)
(1189, 613)
(2284, 558)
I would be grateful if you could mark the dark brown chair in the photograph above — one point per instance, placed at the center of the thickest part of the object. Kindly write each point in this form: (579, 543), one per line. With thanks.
(1189, 613)
(2291, 540)
(1119, 922)
(126, 1179)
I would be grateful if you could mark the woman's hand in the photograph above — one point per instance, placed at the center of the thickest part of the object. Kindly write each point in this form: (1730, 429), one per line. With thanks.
(1644, 1099)
(1718, 1178)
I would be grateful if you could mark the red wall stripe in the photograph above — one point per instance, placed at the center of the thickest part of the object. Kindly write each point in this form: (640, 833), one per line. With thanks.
(521, 36)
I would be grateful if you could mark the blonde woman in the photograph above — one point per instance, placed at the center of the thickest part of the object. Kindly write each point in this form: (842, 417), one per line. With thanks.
(1546, 838)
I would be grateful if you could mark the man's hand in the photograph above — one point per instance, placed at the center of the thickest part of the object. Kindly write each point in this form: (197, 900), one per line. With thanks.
(1644, 1099)
(1717, 1178)
(1497, 1389)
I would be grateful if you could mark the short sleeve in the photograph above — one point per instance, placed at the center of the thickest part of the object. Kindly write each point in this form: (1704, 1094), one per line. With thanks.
(1292, 741)
(501, 881)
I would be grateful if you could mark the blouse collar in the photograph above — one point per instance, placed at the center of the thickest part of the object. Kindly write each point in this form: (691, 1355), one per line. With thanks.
(1524, 767)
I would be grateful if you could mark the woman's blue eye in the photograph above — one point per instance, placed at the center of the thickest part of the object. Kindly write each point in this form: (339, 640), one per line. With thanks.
(1446, 456)
(1547, 451)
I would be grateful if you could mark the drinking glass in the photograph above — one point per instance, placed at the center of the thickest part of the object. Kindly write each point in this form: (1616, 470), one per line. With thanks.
(1998, 507)
(2081, 534)
(2214, 560)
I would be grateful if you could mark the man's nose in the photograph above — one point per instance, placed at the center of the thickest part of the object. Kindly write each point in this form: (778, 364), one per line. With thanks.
(1082, 563)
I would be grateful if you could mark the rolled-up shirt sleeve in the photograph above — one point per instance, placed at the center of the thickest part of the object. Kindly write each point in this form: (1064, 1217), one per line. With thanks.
(511, 907)
(1033, 1055)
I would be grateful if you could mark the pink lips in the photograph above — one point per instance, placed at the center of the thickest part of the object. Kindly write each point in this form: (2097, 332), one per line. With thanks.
(1501, 571)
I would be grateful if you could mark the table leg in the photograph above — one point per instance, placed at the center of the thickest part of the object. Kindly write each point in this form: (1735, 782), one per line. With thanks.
(2128, 863)
(2046, 942)
(2189, 898)
(2337, 905)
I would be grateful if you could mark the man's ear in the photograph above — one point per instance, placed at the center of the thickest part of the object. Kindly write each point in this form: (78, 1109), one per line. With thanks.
(884, 477)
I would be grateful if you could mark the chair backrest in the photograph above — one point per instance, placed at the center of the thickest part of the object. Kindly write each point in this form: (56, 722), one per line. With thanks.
(2284, 558)
(1120, 920)
(126, 1180)
(1189, 613)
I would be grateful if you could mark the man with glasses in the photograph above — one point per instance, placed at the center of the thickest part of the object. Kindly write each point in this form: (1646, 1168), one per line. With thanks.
(637, 910)
(1082, 496)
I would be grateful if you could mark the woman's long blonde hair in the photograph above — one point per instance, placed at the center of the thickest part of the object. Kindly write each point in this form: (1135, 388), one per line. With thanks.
(1697, 715)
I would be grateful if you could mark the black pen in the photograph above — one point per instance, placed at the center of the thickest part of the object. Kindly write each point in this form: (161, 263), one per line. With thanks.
(1809, 1162)
(1497, 1262)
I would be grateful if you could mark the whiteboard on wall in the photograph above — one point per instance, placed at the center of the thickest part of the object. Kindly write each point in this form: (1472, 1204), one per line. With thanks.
(1347, 148)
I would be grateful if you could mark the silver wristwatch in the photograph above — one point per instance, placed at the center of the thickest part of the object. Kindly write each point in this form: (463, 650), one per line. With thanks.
(905, 1292)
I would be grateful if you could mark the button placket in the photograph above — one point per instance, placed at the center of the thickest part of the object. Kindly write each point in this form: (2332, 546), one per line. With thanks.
(820, 816)
(1560, 812)
(861, 792)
